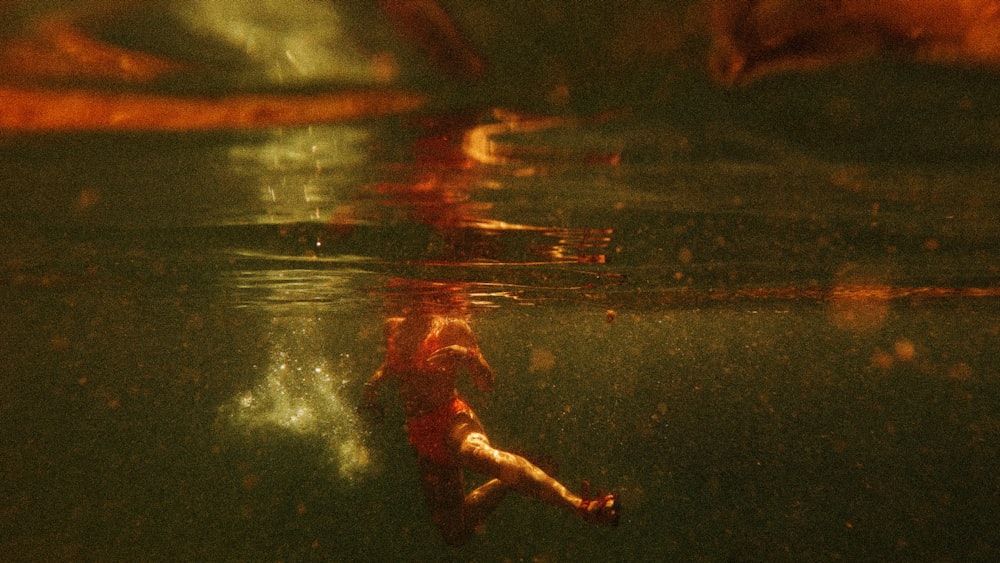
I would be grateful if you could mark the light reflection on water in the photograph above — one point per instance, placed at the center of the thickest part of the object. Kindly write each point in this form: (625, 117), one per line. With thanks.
(287, 42)
(302, 173)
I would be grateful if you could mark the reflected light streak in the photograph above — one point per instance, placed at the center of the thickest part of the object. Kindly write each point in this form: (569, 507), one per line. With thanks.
(298, 171)
(455, 157)
(32, 109)
(295, 291)
(479, 143)
(750, 40)
(310, 149)
(58, 49)
(298, 41)
(303, 393)
(290, 42)
(485, 143)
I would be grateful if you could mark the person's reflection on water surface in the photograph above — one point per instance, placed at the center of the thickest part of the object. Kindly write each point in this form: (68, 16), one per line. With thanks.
(425, 347)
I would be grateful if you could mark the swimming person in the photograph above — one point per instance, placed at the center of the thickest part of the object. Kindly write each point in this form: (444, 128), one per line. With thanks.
(424, 351)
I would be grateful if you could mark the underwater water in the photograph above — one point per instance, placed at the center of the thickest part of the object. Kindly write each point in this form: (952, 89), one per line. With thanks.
(777, 358)
(767, 318)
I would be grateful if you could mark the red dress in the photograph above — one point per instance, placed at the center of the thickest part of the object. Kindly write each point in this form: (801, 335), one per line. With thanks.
(428, 433)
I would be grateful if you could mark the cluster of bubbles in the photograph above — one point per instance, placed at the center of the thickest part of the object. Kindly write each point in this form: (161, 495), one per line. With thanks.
(301, 393)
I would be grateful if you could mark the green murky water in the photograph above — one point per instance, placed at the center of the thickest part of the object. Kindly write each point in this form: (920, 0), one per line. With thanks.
(772, 330)
(796, 368)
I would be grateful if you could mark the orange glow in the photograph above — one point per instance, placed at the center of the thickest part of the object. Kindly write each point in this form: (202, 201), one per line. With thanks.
(425, 24)
(837, 295)
(905, 350)
(55, 51)
(449, 167)
(60, 50)
(25, 109)
(752, 39)
(480, 143)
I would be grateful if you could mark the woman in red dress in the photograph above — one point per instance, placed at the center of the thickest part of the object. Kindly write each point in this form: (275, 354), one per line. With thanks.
(424, 352)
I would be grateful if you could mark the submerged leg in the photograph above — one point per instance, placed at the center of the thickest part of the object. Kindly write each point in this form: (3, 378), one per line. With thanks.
(483, 500)
(444, 489)
(474, 450)
(456, 514)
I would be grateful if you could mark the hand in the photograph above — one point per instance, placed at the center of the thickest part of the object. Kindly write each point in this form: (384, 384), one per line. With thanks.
(453, 353)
